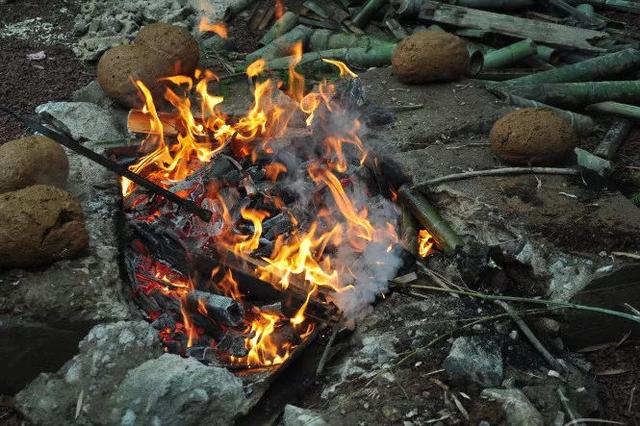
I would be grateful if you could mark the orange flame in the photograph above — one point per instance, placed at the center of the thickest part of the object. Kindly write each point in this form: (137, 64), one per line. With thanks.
(256, 68)
(218, 28)
(425, 243)
(274, 169)
(342, 67)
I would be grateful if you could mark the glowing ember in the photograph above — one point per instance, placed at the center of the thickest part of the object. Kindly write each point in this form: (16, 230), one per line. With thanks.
(326, 234)
(425, 243)
(218, 28)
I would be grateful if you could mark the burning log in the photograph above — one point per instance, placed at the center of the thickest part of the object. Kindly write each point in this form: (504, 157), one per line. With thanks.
(222, 309)
(445, 237)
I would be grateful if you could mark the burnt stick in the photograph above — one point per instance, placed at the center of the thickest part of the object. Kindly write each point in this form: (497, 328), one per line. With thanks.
(64, 139)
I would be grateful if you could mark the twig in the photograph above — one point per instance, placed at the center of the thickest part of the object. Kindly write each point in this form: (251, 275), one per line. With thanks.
(623, 254)
(565, 403)
(529, 334)
(588, 420)
(472, 144)
(327, 349)
(559, 304)
(500, 172)
(633, 392)
(407, 107)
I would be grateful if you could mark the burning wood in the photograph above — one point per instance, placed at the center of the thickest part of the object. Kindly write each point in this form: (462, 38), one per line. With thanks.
(296, 219)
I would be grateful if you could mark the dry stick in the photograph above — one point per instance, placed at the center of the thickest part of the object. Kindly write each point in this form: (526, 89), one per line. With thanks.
(529, 334)
(327, 349)
(500, 172)
(565, 403)
(566, 305)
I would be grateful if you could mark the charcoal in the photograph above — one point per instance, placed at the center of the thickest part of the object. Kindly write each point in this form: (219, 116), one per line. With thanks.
(146, 303)
(204, 354)
(233, 177)
(232, 344)
(248, 186)
(222, 309)
(257, 173)
(282, 226)
(163, 322)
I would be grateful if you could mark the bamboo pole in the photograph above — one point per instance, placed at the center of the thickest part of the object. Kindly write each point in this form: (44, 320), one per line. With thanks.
(354, 56)
(614, 137)
(283, 25)
(282, 45)
(368, 10)
(509, 54)
(616, 108)
(446, 238)
(621, 5)
(548, 54)
(597, 68)
(580, 94)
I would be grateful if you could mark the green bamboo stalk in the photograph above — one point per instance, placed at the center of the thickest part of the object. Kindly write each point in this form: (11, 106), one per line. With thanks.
(592, 69)
(409, 231)
(548, 54)
(612, 140)
(582, 124)
(616, 108)
(509, 54)
(476, 61)
(592, 163)
(587, 9)
(354, 56)
(283, 25)
(555, 303)
(494, 4)
(368, 10)
(446, 238)
(282, 45)
(327, 40)
(621, 5)
(573, 95)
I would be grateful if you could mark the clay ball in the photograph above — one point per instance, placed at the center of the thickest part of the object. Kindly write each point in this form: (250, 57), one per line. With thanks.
(39, 225)
(160, 50)
(430, 56)
(32, 160)
(532, 136)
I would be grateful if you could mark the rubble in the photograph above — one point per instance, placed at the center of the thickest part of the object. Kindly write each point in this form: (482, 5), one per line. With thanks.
(186, 392)
(82, 389)
(517, 408)
(32, 160)
(83, 120)
(296, 416)
(474, 360)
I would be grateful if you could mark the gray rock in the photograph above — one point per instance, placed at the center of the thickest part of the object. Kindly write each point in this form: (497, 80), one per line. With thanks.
(172, 390)
(44, 313)
(93, 94)
(475, 359)
(296, 416)
(84, 120)
(107, 353)
(517, 408)
(102, 24)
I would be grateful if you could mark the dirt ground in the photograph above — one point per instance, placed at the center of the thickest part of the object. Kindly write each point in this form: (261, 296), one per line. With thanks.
(418, 385)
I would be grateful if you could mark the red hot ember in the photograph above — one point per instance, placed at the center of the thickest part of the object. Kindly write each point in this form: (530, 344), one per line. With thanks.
(299, 229)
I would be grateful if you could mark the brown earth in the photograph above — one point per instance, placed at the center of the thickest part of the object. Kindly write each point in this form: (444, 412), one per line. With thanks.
(532, 136)
(32, 160)
(38, 225)
(430, 56)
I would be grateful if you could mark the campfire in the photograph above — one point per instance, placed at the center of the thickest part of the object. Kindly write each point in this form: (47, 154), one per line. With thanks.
(301, 234)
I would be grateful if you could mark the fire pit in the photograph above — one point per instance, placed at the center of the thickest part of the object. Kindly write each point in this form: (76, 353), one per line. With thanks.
(303, 231)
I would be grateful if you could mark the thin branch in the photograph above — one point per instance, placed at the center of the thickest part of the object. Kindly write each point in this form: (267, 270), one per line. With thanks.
(501, 172)
(559, 304)
(529, 334)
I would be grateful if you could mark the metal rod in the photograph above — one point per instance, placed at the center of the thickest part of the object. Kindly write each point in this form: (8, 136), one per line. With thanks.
(67, 141)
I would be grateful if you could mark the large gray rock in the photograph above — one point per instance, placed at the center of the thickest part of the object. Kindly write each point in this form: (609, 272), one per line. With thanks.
(78, 393)
(84, 120)
(172, 390)
(45, 312)
(475, 359)
(296, 416)
(517, 408)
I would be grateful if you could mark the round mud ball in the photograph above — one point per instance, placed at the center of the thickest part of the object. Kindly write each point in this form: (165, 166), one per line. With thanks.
(172, 42)
(532, 136)
(430, 56)
(39, 225)
(160, 50)
(32, 160)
